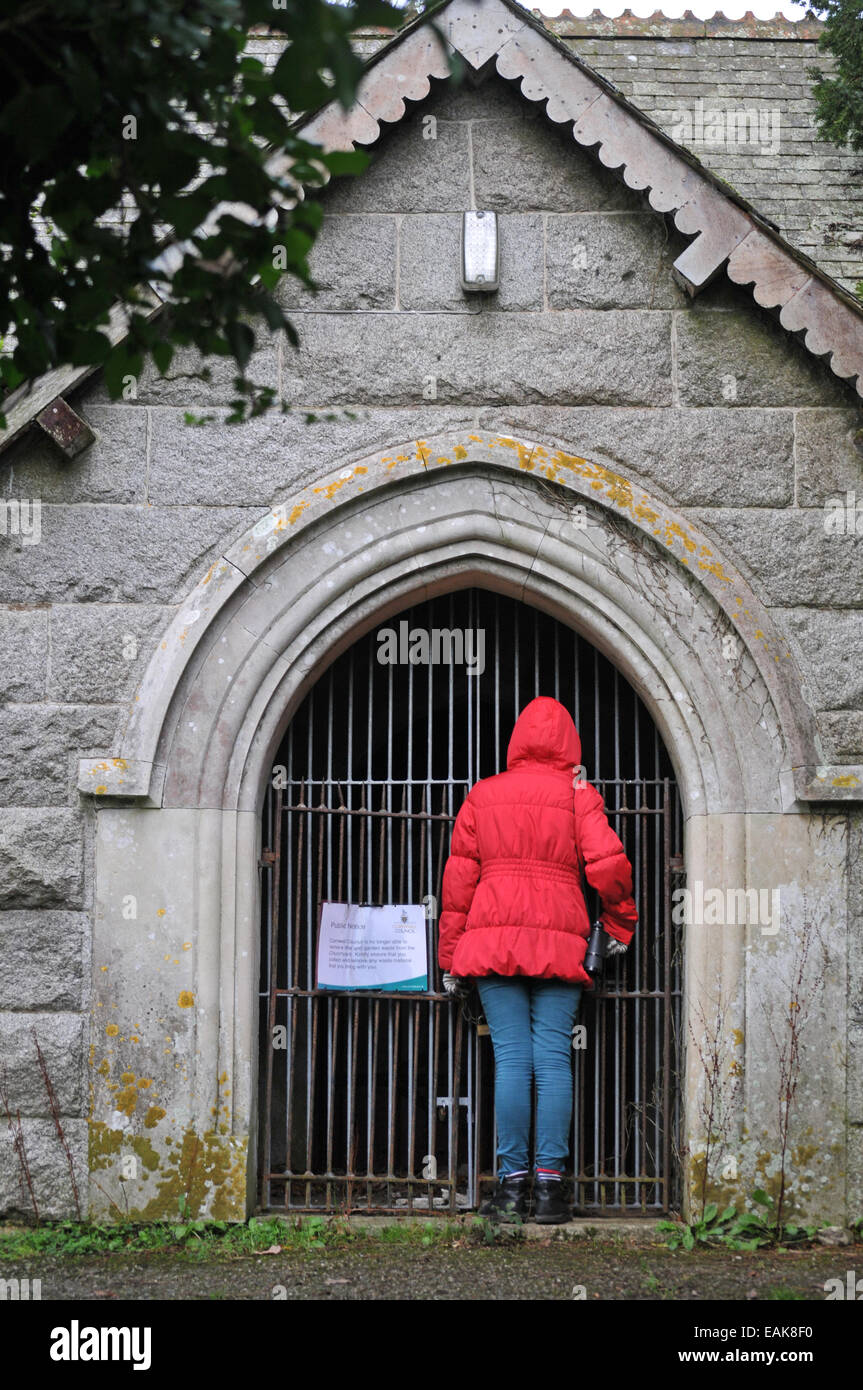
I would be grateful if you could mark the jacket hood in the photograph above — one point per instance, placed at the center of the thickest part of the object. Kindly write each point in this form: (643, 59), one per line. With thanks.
(544, 733)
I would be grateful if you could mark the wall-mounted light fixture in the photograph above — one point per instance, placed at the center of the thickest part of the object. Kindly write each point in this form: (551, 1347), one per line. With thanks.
(480, 252)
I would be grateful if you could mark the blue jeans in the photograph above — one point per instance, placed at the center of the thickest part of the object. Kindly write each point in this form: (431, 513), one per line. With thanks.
(531, 1021)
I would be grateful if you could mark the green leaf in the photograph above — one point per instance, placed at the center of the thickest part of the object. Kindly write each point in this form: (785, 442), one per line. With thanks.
(163, 354)
(81, 79)
(122, 362)
(269, 274)
(341, 162)
(87, 347)
(186, 211)
(709, 1213)
(12, 377)
(377, 13)
(761, 1197)
(36, 119)
(272, 313)
(241, 339)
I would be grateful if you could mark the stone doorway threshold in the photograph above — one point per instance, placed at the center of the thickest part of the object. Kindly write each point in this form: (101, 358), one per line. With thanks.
(637, 1229)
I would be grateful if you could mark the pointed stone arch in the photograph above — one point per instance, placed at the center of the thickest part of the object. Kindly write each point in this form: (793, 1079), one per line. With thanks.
(633, 575)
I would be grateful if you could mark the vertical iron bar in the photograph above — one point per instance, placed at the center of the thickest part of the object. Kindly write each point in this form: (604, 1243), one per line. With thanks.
(665, 926)
(274, 955)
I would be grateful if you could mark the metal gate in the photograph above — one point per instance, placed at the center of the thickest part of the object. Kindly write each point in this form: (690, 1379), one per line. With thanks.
(384, 1102)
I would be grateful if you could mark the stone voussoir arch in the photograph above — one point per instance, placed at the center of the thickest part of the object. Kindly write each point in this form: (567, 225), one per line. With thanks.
(523, 515)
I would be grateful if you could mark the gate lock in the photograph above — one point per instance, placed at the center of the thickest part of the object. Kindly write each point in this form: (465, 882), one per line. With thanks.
(444, 1103)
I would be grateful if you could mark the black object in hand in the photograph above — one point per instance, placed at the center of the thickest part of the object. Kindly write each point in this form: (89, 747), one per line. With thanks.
(596, 948)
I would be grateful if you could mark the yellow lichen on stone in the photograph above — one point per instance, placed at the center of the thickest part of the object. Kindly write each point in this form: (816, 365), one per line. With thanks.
(673, 531)
(209, 1170)
(104, 1144)
(716, 570)
(126, 1100)
(524, 455)
(330, 490)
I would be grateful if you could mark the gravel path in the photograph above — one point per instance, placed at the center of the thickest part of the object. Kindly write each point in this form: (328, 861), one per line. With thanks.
(525, 1270)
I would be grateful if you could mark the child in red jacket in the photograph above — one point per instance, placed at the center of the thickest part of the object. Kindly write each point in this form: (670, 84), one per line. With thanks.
(514, 918)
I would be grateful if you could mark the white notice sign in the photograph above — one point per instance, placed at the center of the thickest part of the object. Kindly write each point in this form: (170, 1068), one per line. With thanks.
(362, 947)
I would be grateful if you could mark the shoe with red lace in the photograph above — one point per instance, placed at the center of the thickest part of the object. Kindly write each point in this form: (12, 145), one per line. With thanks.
(550, 1209)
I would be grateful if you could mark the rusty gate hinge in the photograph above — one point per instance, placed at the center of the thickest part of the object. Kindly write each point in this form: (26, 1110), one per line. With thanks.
(268, 856)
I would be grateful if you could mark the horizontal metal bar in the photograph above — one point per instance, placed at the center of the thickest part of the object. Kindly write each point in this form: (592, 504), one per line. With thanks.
(405, 996)
(399, 1180)
(321, 810)
(402, 996)
(608, 1212)
(393, 1179)
(445, 782)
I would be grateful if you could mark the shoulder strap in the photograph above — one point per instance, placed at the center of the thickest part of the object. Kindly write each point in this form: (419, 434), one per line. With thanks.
(578, 854)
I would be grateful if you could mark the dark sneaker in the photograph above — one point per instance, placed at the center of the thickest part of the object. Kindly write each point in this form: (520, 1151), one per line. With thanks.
(550, 1209)
(508, 1202)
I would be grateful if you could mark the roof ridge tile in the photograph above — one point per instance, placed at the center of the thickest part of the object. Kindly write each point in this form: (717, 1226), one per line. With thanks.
(687, 25)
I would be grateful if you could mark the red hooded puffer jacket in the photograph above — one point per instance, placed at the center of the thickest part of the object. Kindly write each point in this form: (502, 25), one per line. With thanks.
(512, 899)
